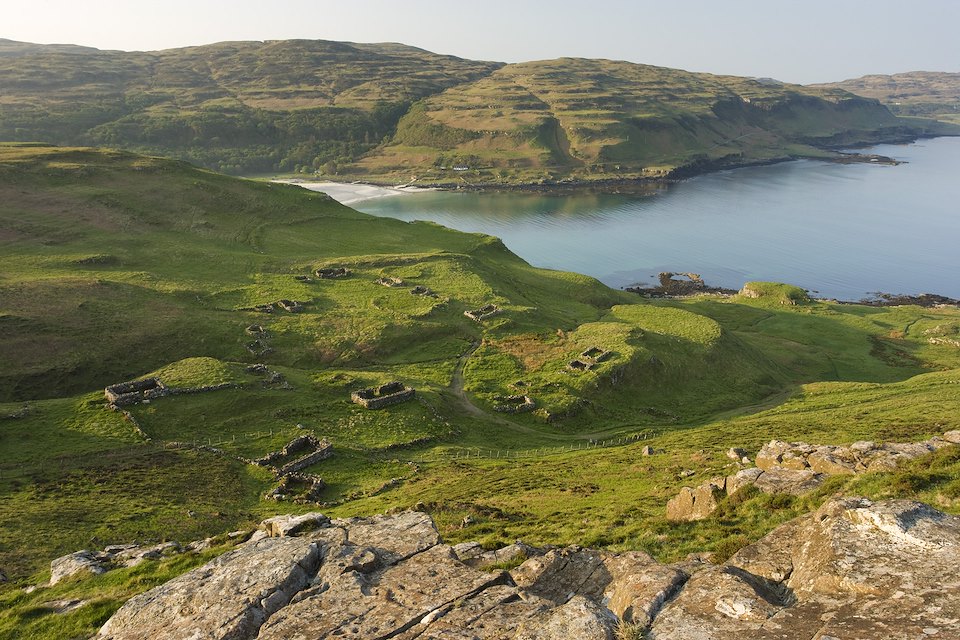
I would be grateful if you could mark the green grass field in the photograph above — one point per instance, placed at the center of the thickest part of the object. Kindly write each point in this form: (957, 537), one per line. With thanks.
(116, 266)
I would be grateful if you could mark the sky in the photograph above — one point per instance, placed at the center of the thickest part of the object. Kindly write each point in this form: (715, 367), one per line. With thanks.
(794, 41)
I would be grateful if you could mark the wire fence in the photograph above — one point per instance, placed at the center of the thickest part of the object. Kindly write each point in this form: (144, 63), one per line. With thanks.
(465, 453)
(11, 471)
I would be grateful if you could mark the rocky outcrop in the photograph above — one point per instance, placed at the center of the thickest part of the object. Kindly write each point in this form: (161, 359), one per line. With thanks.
(795, 468)
(854, 570)
(112, 557)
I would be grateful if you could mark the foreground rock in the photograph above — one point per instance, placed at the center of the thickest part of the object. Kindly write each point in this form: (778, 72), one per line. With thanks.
(795, 468)
(853, 570)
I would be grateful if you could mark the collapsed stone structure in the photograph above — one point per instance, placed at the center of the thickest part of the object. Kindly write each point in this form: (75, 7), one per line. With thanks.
(514, 404)
(795, 468)
(422, 291)
(329, 273)
(390, 282)
(853, 569)
(136, 391)
(483, 313)
(383, 396)
(589, 359)
(299, 453)
(291, 306)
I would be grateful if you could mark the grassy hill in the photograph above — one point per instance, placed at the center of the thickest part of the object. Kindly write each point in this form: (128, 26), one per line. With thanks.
(116, 266)
(926, 94)
(389, 112)
(239, 107)
(596, 119)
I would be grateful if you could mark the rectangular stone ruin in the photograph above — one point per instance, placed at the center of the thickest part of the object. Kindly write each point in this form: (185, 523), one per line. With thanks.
(300, 453)
(328, 273)
(382, 396)
(515, 404)
(596, 354)
(290, 305)
(580, 365)
(481, 314)
(390, 282)
(134, 392)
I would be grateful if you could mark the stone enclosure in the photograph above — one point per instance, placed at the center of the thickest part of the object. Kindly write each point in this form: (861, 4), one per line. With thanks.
(589, 359)
(383, 396)
(514, 404)
(330, 273)
(483, 313)
(136, 391)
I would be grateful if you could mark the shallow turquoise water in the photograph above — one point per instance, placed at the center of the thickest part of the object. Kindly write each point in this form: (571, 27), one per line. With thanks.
(843, 231)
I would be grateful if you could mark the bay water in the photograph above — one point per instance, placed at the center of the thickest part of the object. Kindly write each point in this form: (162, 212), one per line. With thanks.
(842, 231)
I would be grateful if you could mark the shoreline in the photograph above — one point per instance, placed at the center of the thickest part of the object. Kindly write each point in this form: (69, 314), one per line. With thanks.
(638, 185)
(348, 193)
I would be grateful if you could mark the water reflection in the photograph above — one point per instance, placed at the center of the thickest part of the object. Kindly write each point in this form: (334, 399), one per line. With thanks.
(842, 230)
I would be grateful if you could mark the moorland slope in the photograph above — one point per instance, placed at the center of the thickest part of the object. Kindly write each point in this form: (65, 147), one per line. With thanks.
(116, 266)
(389, 112)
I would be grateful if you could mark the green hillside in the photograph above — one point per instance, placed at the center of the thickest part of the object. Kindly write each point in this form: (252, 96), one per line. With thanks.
(927, 94)
(115, 266)
(239, 107)
(389, 112)
(596, 119)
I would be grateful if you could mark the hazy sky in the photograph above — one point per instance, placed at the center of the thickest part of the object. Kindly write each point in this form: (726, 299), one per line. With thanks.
(795, 41)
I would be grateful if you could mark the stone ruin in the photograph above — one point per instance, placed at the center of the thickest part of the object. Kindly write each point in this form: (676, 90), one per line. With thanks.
(271, 378)
(329, 273)
(308, 487)
(422, 291)
(291, 306)
(580, 365)
(383, 396)
(262, 308)
(287, 464)
(484, 312)
(302, 278)
(390, 282)
(256, 330)
(514, 404)
(589, 359)
(300, 453)
(134, 392)
(796, 468)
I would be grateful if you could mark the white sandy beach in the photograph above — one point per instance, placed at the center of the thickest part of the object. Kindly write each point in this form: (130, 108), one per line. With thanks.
(351, 193)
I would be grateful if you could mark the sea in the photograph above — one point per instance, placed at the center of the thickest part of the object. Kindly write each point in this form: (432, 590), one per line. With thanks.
(844, 231)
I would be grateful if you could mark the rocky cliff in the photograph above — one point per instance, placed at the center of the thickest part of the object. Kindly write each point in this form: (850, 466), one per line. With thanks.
(854, 570)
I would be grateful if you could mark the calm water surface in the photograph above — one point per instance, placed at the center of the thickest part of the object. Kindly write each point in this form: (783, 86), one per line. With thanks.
(843, 231)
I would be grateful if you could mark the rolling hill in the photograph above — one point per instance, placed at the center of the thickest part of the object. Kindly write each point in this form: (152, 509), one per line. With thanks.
(925, 94)
(239, 107)
(389, 112)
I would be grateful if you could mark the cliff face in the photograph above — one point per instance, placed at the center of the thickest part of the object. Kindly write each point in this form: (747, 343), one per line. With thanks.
(853, 570)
